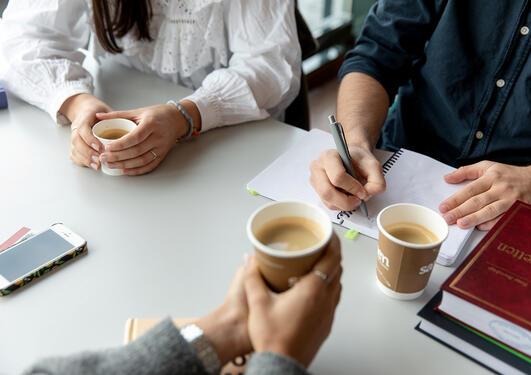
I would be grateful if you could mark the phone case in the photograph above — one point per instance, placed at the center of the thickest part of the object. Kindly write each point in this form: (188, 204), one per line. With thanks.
(43, 270)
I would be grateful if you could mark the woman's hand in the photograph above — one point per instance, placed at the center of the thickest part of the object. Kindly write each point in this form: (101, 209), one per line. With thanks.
(226, 327)
(296, 322)
(143, 149)
(81, 110)
(482, 202)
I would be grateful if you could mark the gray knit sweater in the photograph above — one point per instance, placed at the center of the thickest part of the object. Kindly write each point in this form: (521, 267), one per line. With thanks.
(161, 350)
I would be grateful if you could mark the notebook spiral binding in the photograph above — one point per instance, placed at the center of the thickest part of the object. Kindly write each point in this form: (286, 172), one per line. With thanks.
(391, 161)
(386, 167)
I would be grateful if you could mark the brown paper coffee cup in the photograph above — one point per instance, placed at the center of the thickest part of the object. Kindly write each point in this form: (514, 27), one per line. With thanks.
(282, 268)
(402, 268)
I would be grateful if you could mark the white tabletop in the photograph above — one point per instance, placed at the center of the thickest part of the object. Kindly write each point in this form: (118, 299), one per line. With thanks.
(168, 243)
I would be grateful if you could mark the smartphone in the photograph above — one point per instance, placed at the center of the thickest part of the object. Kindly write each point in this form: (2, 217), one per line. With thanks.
(38, 255)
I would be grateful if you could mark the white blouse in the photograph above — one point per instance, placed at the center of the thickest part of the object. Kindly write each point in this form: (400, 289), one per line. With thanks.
(242, 57)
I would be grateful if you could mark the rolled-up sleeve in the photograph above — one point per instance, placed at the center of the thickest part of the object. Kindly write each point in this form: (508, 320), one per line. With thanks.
(263, 74)
(40, 42)
(392, 40)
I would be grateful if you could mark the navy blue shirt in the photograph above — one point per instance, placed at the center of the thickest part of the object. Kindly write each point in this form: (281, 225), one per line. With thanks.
(462, 72)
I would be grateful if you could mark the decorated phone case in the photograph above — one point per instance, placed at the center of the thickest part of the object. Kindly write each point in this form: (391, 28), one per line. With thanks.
(44, 270)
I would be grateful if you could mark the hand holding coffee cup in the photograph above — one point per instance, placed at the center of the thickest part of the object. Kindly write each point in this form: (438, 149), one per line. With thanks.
(295, 323)
(108, 131)
(410, 237)
(288, 237)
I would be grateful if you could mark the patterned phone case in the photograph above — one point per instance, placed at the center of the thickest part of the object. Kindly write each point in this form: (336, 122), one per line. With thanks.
(43, 270)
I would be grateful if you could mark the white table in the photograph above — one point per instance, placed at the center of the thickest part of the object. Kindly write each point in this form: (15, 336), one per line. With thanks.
(168, 243)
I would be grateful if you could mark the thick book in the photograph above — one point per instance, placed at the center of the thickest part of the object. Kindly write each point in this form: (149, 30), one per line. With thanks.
(490, 290)
(135, 327)
(411, 178)
(487, 352)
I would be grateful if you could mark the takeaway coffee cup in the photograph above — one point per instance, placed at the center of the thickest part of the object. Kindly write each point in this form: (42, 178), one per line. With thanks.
(409, 240)
(288, 238)
(108, 131)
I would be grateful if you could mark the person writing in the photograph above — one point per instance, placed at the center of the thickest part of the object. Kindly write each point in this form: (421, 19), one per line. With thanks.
(242, 58)
(463, 98)
(284, 330)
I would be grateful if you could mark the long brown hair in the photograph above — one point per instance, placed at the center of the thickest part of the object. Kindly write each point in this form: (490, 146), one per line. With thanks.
(128, 15)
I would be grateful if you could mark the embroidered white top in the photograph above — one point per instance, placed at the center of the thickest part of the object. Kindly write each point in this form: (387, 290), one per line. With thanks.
(241, 57)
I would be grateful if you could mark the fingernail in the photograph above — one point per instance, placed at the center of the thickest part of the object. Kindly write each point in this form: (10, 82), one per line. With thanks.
(99, 113)
(103, 158)
(94, 166)
(246, 259)
(95, 146)
(443, 208)
(449, 218)
(95, 159)
(464, 222)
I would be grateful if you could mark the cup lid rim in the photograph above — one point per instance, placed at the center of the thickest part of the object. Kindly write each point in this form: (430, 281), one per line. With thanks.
(410, 244)
(288, 254)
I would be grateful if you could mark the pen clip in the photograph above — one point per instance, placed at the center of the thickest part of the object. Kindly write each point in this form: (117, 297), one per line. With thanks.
(343, 139)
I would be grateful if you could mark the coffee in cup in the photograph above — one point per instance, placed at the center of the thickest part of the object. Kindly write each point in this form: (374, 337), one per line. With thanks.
(288, 237)
(409, 240)
(110, 130)
(411, 232)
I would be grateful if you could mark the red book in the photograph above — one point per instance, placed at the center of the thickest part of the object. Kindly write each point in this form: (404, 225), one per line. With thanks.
(490, 291)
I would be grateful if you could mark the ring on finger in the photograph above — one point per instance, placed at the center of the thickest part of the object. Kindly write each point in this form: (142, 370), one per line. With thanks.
(154, 155)
(322, 275)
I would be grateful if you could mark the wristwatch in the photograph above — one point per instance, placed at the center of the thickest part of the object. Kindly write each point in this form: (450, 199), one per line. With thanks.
(202, 348)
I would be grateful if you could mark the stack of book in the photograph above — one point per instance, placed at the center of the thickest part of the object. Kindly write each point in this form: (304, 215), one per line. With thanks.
(483, 310)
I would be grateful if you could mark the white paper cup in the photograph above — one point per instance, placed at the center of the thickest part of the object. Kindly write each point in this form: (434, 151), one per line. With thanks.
(278, 267)
(115, 123)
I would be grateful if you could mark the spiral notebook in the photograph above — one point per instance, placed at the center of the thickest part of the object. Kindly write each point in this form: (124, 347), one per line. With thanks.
(411, 178)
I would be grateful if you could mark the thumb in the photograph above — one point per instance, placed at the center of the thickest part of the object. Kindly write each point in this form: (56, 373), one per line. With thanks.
(255, 287)
(468, 172)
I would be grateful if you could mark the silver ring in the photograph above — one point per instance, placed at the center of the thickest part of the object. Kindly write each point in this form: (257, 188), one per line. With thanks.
(154, 155)
(321, 274)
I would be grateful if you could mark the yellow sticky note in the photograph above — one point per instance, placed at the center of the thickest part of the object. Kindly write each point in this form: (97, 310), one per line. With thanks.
(252, 191)
(351, 234)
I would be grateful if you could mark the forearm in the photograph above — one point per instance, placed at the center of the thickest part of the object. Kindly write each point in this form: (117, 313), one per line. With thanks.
(362, 107)
(162, 350)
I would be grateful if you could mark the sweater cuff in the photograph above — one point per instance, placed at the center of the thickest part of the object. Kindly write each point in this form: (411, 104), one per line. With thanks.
(267, 363)
(63, 93)
(208, 105)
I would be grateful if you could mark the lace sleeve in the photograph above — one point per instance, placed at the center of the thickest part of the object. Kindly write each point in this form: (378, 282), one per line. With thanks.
(263, 75)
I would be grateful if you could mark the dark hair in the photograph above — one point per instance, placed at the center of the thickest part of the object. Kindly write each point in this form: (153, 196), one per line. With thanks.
(128, 15)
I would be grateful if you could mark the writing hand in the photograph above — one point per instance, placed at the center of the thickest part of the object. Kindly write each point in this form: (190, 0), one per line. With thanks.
(336, 188)
(494, 189)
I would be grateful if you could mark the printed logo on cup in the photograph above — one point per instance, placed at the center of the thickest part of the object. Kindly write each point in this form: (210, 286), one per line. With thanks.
(383, 260)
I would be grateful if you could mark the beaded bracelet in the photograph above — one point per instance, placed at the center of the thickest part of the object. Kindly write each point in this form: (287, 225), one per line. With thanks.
(191, 129)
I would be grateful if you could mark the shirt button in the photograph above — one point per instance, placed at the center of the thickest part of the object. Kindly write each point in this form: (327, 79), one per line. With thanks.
(524, 30)
(500, 83)
(479, 134)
